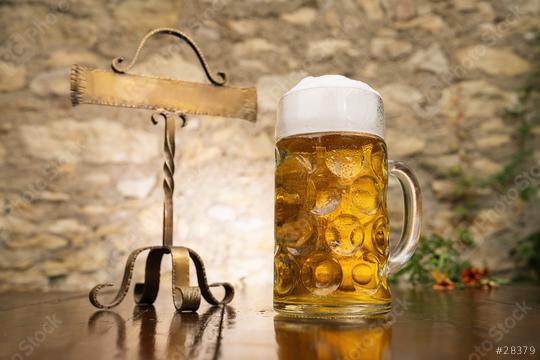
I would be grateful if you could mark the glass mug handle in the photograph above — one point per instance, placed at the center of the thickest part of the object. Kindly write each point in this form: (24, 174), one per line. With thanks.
(412, 219)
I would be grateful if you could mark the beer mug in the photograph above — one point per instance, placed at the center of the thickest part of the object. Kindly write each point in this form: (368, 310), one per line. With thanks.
(332, 253)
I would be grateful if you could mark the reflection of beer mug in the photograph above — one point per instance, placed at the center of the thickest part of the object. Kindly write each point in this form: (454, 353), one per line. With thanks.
(332, 255)
(323, 340)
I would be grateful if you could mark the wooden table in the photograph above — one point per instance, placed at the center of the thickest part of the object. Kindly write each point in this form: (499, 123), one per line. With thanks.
(425, 324)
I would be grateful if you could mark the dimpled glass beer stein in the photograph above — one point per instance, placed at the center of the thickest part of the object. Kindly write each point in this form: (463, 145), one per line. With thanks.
(332, 252)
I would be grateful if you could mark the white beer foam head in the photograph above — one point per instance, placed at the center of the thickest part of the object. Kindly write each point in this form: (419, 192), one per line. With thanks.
(330, 103)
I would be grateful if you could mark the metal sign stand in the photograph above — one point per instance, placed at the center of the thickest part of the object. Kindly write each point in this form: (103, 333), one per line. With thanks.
(171, 100)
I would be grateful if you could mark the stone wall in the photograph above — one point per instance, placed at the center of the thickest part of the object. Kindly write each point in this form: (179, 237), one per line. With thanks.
(80, 187)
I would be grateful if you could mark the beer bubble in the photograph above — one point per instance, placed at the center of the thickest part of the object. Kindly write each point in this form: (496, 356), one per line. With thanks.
(291, 177)
(366, 195)
(285, 273)
(378, 162)
(326, 202)
(361, 273)
(345, 164)
(321, 274)
(323, 190)
(345, 235)
(366, 273)
(379, 235)
(296, 234)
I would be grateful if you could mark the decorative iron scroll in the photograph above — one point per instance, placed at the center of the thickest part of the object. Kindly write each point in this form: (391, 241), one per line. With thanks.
(172, 100)
(116, 63)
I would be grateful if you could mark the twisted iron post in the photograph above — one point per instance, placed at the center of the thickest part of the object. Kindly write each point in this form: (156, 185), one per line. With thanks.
(169, 150)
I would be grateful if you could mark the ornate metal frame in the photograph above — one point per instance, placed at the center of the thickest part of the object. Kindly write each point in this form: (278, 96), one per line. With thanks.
(185, 297)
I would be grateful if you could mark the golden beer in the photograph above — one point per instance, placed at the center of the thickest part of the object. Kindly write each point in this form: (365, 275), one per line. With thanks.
(323, 340)
(331, 224)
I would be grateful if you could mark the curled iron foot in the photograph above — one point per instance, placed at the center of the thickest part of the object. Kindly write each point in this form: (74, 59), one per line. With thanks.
(188, 298)
(147, 292)
(124, 287)
(185, 297)
(205, 287)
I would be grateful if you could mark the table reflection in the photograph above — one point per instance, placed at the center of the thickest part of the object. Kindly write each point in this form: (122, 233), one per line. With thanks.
(97, 326)
(317, 339)
(188, 335)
